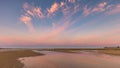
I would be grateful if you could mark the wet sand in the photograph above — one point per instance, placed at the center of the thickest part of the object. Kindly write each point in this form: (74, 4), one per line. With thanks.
(71, 60)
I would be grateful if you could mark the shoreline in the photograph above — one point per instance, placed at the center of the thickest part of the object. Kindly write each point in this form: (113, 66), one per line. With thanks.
(79, 60)
(9, 58)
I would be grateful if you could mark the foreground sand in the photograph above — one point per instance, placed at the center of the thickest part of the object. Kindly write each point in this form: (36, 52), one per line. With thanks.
(8, 59)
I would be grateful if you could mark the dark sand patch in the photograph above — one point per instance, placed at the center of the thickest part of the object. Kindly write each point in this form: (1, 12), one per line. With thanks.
(8, 59)
(110, 51)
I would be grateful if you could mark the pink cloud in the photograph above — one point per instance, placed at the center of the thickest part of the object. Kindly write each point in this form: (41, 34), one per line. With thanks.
(99, 8)
(113, 9)
(69, 10)
(38, 12)
(66, 20)
(86, 11)
(76, 8)
(28, 12)
(31, 10)
(66, 10)
(102, 5)
(26, 6)
(53, 8)
(62, 4)
(58, 30)
(72, 1)
(27, 20)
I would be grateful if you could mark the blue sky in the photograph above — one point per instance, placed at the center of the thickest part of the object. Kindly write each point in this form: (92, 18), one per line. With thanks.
(59, 22)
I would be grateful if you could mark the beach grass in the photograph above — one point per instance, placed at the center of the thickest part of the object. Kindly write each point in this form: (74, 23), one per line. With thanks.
(9, 59)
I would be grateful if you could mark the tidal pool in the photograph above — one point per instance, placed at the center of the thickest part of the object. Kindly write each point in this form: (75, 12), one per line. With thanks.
(71, 60)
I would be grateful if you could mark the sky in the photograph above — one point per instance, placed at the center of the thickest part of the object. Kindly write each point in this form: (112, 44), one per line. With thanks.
(40, 23)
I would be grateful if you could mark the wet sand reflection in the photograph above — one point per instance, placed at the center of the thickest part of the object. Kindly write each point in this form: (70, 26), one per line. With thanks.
(70, 60)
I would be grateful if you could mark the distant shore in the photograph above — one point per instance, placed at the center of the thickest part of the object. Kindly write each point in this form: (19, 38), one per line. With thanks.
(110, 51)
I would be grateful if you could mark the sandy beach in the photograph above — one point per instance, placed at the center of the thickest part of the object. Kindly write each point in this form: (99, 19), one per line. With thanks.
(8, 57)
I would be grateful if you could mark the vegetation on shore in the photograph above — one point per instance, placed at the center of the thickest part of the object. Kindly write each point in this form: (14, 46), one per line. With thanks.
(8, 59)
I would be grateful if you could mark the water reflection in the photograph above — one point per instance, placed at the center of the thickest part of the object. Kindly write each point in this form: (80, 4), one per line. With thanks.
(70, 60)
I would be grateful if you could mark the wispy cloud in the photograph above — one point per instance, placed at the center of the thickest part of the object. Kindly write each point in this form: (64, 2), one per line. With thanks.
(108, 9)
(62, 4)
(86, 11)
(53, 9)
(72, 1)
(27, 21)
(99, 8)
(68, 9)
(65, 22)
(31, 10)
(55, 32)
(38, 12)
(113, 9)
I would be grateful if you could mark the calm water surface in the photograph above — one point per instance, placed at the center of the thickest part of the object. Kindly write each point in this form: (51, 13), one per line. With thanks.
(71, 60)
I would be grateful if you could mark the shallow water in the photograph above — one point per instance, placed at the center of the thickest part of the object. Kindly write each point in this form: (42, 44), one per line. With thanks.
(71, 60)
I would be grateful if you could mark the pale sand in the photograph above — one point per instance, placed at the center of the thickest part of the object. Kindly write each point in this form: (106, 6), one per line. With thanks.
(65, 60)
